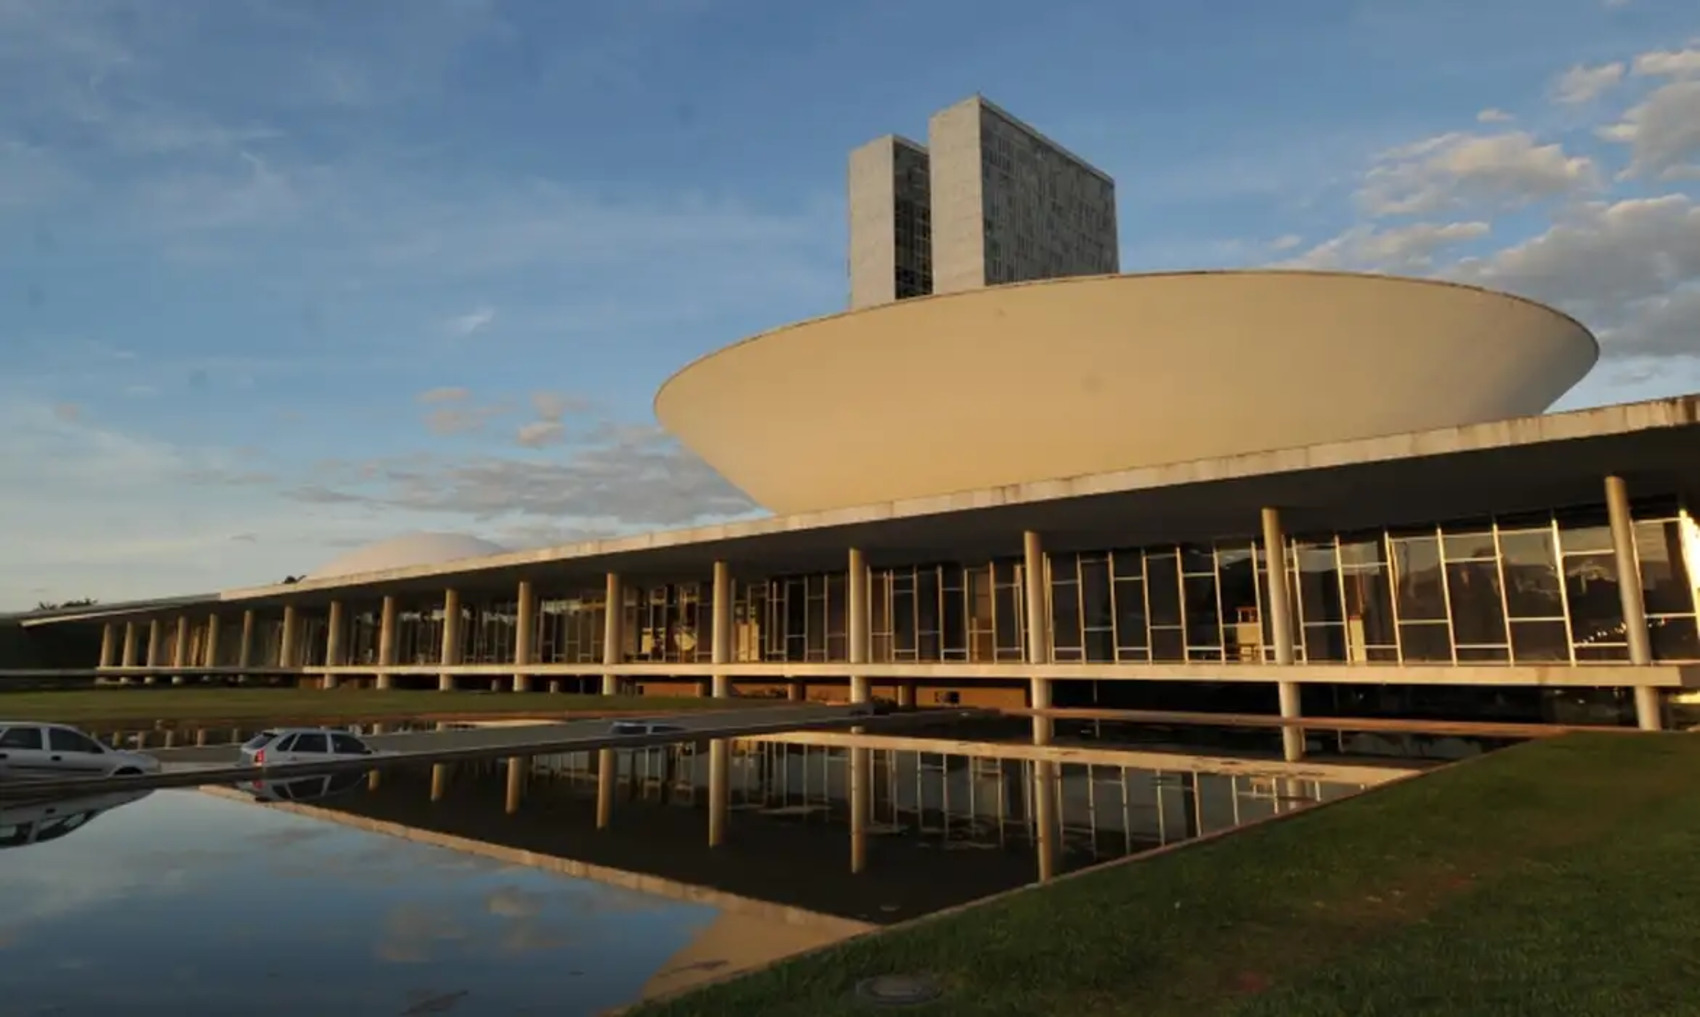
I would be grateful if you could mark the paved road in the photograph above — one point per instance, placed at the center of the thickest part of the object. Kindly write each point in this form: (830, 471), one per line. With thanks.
(529, 734)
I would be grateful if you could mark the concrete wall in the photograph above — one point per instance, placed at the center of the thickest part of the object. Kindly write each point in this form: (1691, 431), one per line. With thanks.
(1011, 205)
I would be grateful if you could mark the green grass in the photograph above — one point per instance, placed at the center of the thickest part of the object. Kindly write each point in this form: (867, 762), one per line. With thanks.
(1559, 877)
(201, 704)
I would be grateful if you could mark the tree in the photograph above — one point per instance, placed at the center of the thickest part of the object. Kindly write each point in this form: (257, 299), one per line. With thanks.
(84, 602)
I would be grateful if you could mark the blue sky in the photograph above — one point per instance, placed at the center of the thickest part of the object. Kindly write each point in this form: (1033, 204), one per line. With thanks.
(280, 278)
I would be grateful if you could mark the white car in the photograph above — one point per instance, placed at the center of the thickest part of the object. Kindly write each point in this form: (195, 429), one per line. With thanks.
(29, 750)
(281, 745)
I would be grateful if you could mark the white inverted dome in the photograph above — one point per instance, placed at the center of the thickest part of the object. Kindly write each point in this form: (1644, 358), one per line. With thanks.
(406, 551)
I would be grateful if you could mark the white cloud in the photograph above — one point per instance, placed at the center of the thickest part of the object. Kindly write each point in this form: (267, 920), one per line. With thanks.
(445, 394)
(1628, 268)
(472, 322)
(552, 406)
(1674, 63)
(1457, 170)
(1663, 132)
(618, 476)
(1492, 115)
(539, 433)
(1400, 249)
(1581, 83)
(1286, 242)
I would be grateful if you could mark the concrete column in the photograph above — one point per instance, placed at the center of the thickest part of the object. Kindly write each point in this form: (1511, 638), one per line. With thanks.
(613, 631)
(180, 648)
(156, 648)
(127, 656)
(861, 801)
(374, 778)
(439, 780)
(334, 624)
(200, 737)
(245, 645)
(906, 695)
(516, 783)
(721, 627)
(856, 591)
(451, 639)
(286, 639)
(108, 644)
(797, 691)
(386, 640)
(209, 649)
(1278, 596)
(1038, 611)
(605, 763)
(525, 627)
(1648, 708)
(719, 789)
(1045, 817)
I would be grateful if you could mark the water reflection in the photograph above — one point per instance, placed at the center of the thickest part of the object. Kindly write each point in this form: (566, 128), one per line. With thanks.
(24, 823)
(939, 829)
(189, 903)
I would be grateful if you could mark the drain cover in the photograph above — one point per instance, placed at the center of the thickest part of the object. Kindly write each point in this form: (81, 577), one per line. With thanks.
(897, 990)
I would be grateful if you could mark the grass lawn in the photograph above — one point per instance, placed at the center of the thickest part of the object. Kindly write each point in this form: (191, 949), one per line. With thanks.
(192, 704)
(1558, 877)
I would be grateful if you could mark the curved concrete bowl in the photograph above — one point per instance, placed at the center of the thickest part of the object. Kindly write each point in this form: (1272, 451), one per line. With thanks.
(1076, 376)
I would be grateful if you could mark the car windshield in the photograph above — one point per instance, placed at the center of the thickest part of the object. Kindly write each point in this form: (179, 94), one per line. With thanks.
(258, 740)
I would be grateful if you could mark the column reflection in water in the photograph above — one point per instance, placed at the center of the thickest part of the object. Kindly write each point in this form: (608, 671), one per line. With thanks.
(902, 809)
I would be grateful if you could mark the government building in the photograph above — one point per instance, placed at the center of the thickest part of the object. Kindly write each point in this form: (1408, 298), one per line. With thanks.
(1022, 478)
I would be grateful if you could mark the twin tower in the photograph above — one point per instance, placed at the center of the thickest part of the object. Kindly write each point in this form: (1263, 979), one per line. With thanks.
(987, 200)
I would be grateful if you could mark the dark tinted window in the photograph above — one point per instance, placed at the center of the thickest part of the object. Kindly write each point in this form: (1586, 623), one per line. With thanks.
(347, 745)
(288, 744)
(61, 740)
(21, 738)
(313, 742)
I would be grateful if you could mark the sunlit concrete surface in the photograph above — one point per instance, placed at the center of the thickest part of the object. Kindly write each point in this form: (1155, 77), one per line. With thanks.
(1060, 378)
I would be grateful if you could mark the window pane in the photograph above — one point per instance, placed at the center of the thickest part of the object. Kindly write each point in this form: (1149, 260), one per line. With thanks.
(1163, 589)
(1129, 564)
(1065, 615)
(310, 743)
(1416, 561)
(1369, 607)
(1584, 530)
(1477, 617)
(1425, 641)
(1664, 579)
(21, 738)
(1531, 575)
(1674, 638)
(1095, 593)
(1319, 584)
(60, 740)
(1100, 645)
(1130, 613)
(1324, 642)
(1467, 546)
(1166, 645)
(1203, 626)
(1237, 588)
(1596, 613)
(1539, 641)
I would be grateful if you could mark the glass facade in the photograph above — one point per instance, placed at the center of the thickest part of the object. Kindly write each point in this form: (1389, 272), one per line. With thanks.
(1529, 589)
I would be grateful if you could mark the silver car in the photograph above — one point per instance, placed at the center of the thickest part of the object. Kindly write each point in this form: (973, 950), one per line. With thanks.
(280, 745)
(31, 750)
